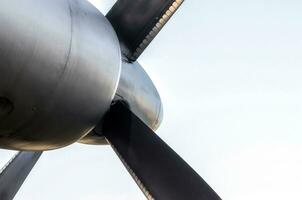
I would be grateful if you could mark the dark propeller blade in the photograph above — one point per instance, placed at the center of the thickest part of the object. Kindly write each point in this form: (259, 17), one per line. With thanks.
(15, 172)
(156, 168)
(137, 22)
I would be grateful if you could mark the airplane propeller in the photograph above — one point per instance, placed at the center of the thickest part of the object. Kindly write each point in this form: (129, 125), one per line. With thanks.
(158, 171)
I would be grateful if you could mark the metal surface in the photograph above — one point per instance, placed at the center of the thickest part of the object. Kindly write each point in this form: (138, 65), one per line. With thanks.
(138, 91)
(59, 68)
(157, 169)
(15, 172)
(137, 22)
(94, 137)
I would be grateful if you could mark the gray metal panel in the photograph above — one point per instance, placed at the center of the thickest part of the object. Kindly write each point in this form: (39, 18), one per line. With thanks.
(137, 22)
(60, 64)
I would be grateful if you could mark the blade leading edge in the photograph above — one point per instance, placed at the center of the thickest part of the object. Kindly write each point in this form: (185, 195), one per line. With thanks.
(157, 169)
(15, 172)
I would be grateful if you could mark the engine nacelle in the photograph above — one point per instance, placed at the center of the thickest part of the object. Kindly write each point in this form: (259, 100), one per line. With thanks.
(60, 63)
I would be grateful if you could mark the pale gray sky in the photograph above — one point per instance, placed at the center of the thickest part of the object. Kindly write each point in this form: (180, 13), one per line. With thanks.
(229, 74)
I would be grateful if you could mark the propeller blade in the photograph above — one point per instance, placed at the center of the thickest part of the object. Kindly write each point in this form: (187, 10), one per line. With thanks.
(15, 172)
(137, 22)
(157, 169)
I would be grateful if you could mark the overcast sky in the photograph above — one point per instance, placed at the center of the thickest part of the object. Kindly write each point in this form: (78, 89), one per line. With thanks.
(229, 74)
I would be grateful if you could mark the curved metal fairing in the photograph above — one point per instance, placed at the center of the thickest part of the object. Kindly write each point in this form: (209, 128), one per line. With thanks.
(60, 63)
